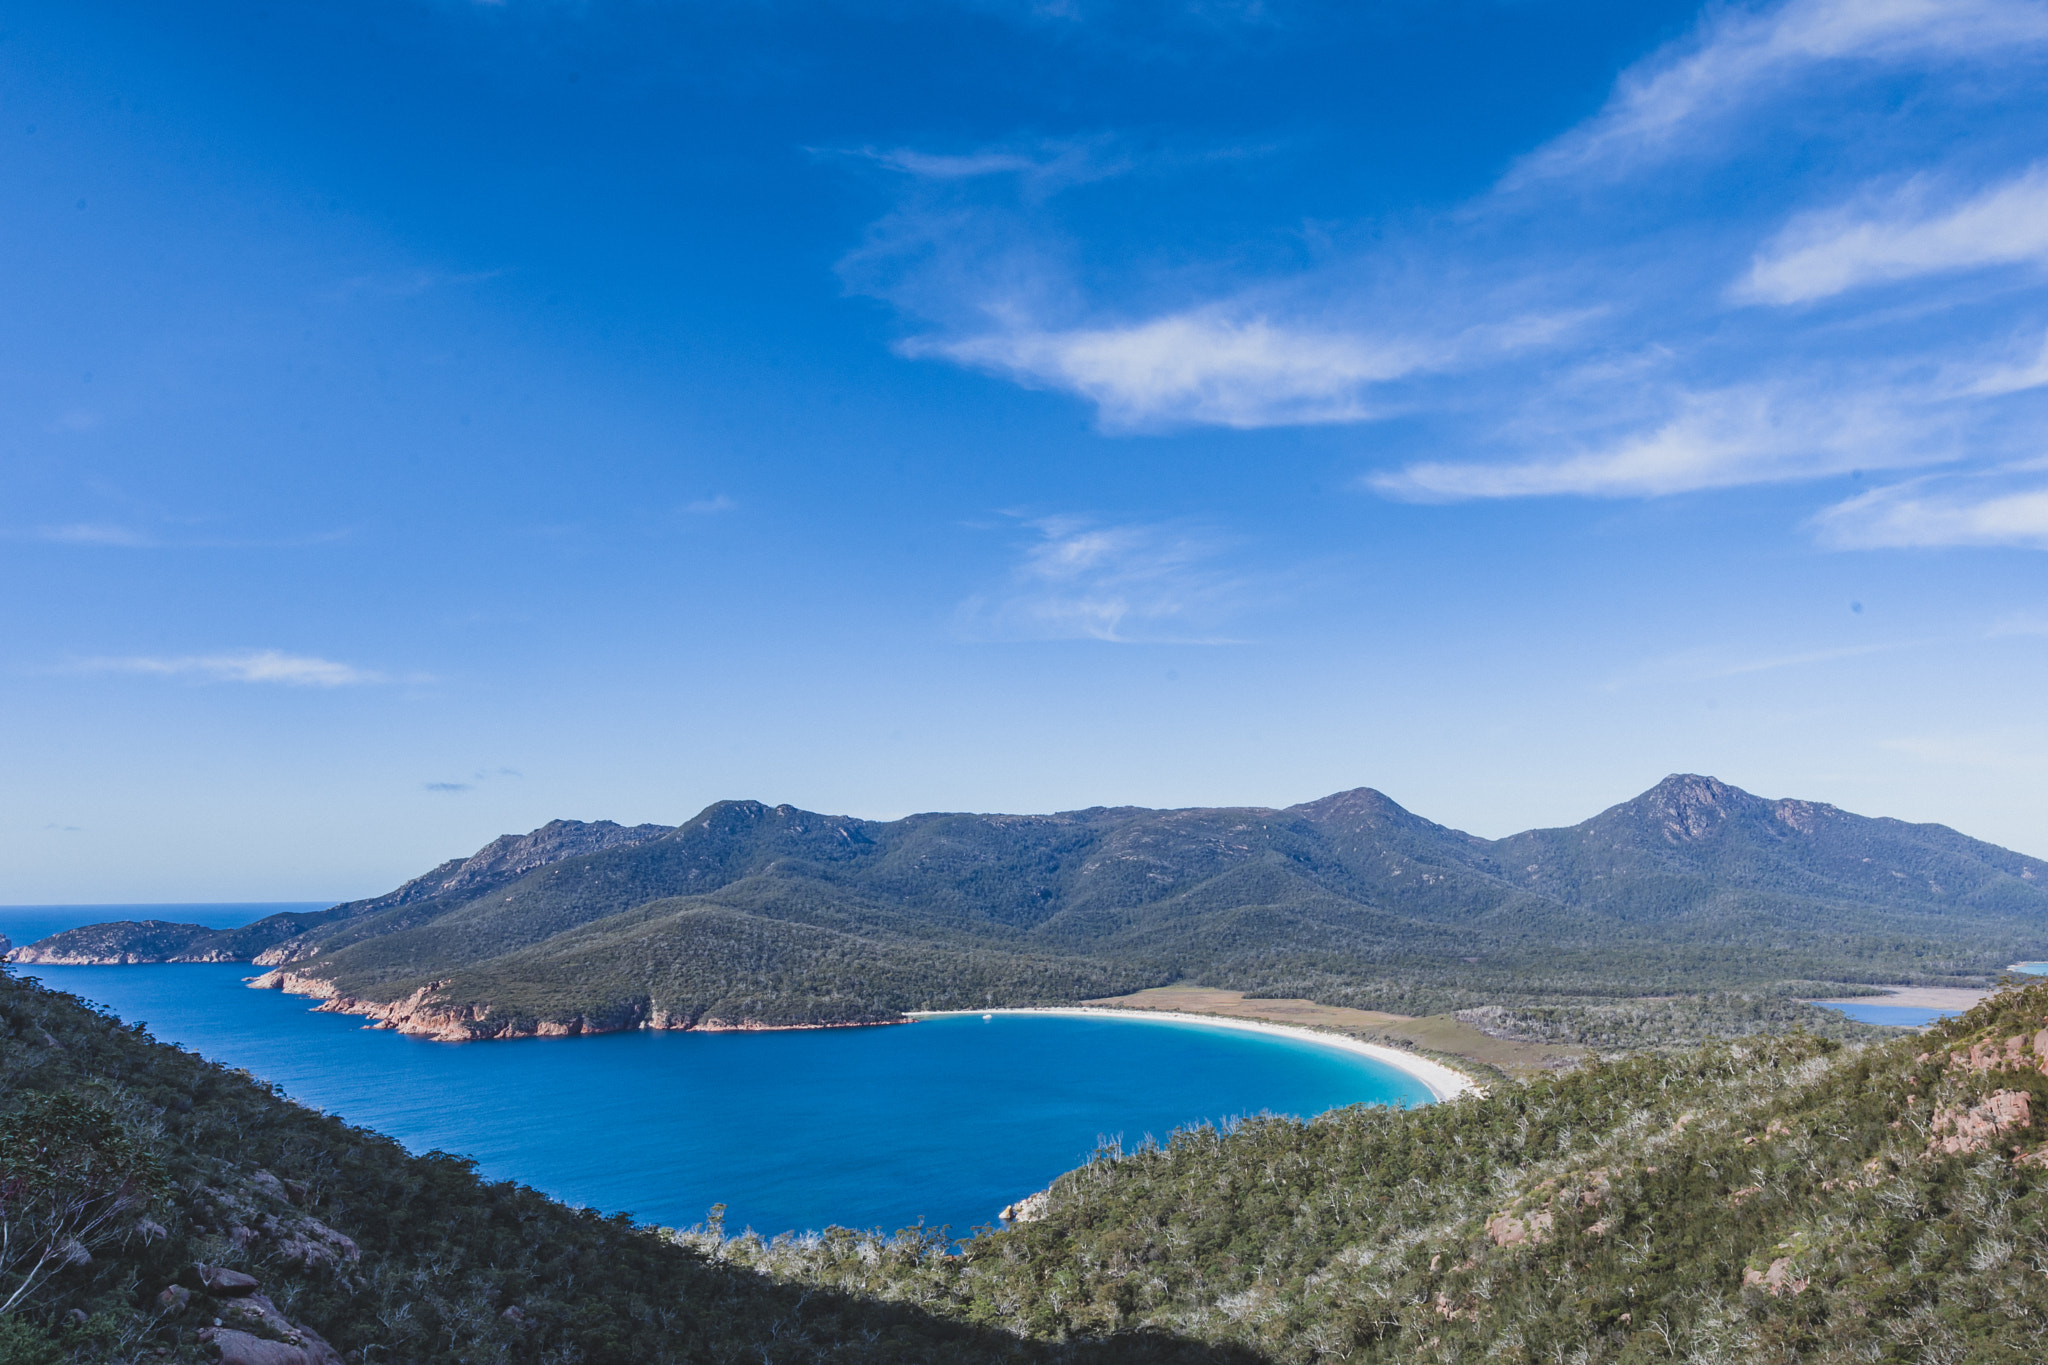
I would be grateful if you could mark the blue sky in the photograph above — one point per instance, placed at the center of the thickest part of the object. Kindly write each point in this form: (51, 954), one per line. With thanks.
(423, 419)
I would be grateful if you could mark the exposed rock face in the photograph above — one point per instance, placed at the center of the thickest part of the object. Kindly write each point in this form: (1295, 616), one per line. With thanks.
(223, 1283)
(1507, 1230)
(2013, 1054)
(1776, 1280)
(1958, 1130)
(241, 1348)
(250, 1330)
(249, 1226)
(1029, 1209)
(424, 1014)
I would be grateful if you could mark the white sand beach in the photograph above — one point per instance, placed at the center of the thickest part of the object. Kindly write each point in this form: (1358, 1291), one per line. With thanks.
(1443, 1082)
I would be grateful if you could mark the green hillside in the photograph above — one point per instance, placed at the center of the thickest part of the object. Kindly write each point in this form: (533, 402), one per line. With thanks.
(1777, 1201)
(1794, 1200)
(757, 915)
(132, 1174)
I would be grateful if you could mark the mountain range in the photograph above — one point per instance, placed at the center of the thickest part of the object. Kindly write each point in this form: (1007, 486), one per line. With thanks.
(751, 915)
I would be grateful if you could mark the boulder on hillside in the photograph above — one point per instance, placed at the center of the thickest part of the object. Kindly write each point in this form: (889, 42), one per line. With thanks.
(241, 1348)
(223, 1283)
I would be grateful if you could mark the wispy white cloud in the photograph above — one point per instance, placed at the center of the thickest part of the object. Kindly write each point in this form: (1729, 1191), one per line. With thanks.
(244, 666)
(711, 506)
(1039, 167)
(1573, 330)
(1081, 579)
(940, 166)
(1913, 232)
(1720, 67)
(2010, 378)
(1715, 440)
(1940, 512)
(1197, 367)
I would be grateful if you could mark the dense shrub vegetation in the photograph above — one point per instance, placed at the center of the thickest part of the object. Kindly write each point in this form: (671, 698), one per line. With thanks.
(124, 1162)
(1783, 1199)
(1786, 1200)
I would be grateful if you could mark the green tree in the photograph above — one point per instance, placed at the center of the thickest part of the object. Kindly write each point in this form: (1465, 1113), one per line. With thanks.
(72, 1179)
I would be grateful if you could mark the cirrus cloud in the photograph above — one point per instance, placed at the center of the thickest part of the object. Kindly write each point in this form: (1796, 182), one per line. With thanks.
(1201, 368)
(242, 666)
(1925, 513)
(1128, 583)
(1829, 252)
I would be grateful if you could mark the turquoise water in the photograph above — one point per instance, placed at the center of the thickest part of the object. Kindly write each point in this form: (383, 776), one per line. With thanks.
(945, 1120)
(2031, 968)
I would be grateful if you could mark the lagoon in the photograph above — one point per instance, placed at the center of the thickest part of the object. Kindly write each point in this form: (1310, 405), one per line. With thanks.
(944, 1120)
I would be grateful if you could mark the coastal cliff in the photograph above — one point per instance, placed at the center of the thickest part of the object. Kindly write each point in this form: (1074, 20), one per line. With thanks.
(426, 1014)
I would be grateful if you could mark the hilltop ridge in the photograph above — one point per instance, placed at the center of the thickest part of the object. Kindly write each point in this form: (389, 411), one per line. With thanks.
(749, 915)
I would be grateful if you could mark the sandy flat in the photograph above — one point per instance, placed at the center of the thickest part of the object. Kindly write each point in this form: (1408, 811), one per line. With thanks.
(1209, 1000)
(1916, 997)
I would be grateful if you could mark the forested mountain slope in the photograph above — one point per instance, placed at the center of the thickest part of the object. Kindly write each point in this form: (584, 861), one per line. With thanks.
(756, 915)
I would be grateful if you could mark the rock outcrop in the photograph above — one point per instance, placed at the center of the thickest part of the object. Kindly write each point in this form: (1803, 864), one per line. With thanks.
(1030, 1209)
(248, 1328)
(1957, 1130)
(1776, 1279)
(223, 1283)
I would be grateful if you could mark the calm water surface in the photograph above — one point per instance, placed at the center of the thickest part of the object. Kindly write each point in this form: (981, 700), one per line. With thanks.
(1905, 1016)
(945, 1120)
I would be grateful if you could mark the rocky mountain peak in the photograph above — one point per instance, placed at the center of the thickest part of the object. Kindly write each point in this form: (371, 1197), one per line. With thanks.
(1690, 806)
(1358, 806)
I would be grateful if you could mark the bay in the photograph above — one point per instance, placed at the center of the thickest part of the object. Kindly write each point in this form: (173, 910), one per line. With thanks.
(945, 1120)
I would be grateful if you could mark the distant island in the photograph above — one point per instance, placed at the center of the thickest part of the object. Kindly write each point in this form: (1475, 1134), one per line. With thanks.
(1693, 910)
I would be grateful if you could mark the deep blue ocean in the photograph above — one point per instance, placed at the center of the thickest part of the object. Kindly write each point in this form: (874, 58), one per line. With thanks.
(946, 1120)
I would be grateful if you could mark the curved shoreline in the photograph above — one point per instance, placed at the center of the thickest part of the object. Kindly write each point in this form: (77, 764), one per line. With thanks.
(1442, 1082)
